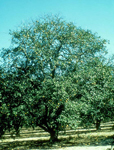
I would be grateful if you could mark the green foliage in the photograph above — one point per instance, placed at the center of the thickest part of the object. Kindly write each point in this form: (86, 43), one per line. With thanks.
(93, 91)
(52, 77)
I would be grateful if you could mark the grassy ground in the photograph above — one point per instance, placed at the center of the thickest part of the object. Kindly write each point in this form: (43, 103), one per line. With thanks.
(38, 139)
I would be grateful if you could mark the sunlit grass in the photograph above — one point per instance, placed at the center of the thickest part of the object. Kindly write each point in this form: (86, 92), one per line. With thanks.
(101, 138)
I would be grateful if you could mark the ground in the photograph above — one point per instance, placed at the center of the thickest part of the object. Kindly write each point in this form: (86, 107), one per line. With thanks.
(80, 139)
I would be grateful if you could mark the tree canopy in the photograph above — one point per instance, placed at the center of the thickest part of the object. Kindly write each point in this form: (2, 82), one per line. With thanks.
(51, 71)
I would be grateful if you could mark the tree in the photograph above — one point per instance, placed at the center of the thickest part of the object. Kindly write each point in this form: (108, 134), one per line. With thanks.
(3, 117)
(93, 91)
(42, 56)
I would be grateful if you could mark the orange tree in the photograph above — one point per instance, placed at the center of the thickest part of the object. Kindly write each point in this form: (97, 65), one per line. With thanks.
(43, 55)
(92, 91)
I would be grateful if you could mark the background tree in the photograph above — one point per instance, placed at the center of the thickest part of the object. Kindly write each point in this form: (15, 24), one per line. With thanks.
(92, 91)
(3, 116)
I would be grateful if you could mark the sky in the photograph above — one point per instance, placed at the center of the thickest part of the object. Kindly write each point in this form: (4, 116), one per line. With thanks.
(95, 15)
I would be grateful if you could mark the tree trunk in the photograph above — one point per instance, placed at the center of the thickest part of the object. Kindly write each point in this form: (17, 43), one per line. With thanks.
(18, 132)
(98, 122)
(53, 135)
(1, 131)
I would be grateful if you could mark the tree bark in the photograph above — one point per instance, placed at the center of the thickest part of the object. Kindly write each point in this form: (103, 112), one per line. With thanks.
(98, 122)
(53, 135)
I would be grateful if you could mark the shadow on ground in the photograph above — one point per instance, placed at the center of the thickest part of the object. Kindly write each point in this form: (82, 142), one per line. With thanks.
(63, 142)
